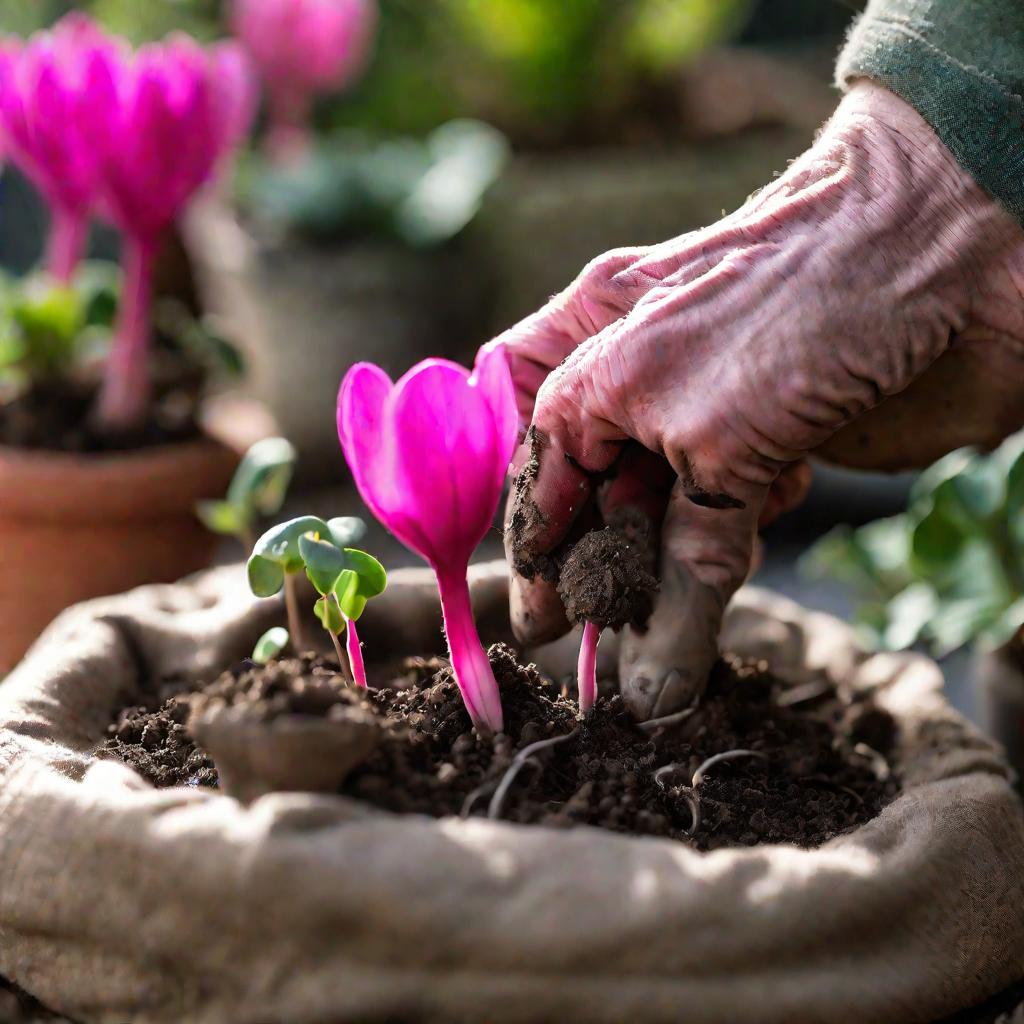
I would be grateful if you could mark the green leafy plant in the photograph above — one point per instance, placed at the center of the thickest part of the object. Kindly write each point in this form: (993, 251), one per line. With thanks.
(257, 491)
(420, 192)
(270, 645)
(344, 577)
(950, 570)
(51, 333)
(47, 327)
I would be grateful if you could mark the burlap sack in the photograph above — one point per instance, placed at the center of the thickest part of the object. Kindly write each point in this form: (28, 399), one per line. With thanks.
(118, 902)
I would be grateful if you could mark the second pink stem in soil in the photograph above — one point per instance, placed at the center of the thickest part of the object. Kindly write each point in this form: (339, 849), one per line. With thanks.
(355, 655)
(586, 670)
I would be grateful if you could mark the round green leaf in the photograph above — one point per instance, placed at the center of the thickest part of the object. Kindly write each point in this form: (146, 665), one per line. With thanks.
(330, 615)
(324, 562)
(220, 517)
(346, 530)
(261, 482)
(270, 645)
(364, 578)
(266, 577)
(280, 543)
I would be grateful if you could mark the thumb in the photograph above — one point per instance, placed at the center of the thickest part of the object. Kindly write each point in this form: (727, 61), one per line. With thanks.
(705, 556)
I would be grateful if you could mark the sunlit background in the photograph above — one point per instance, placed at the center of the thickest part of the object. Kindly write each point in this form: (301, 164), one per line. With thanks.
(486, 151)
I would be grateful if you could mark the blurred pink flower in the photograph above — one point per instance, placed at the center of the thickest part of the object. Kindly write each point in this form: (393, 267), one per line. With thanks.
(56, 97)
(429, 456)
(302, 48)
(178, 110)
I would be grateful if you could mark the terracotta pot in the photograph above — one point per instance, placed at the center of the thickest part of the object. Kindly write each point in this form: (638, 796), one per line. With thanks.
(74, 527)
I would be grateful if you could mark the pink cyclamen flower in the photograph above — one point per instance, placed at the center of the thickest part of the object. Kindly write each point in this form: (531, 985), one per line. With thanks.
(56, 97)
(429, 456)
(303, 48)
(179, 109)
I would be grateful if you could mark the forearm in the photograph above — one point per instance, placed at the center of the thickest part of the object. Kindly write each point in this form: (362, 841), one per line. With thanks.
(960, 64)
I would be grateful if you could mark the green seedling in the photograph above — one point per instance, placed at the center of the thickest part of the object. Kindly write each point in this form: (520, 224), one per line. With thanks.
(257, 491)
(346, 579)
(270, 645)
(276, 560)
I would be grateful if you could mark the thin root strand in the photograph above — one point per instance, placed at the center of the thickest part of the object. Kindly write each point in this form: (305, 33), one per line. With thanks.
(525, 755)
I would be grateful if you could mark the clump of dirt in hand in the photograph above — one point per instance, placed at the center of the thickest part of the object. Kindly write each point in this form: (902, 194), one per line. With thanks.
(808, 786)
(603, 580)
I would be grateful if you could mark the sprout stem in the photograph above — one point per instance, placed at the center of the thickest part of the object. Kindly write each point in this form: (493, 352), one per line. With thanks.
(586, 670)
(69, 230)
(342, 660)
(355, 655)
(473, 671)
(291, 601)
(124, 398)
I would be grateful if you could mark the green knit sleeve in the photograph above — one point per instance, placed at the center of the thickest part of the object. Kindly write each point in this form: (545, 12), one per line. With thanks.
(960, 64)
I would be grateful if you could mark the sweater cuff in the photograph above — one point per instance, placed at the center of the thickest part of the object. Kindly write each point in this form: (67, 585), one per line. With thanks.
(980, 120)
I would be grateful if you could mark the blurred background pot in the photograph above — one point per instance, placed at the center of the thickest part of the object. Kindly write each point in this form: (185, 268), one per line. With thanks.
(303, 312)
(79, 526)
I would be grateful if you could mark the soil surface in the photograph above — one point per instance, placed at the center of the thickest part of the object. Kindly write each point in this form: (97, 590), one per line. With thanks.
(807, 785)
(57, 415)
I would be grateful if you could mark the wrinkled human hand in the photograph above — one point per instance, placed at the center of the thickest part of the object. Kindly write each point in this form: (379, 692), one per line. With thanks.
(873, 273)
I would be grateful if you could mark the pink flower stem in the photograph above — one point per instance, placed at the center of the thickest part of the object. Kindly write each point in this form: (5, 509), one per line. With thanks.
(124, 399)
(69, 231)
(355, 654)
(586, 672)
(288, 136)
(472, 669)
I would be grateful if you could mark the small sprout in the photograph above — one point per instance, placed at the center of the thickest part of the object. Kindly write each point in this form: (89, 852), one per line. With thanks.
(345, 579)
(257, 490)
(274, 563)
(270, 645)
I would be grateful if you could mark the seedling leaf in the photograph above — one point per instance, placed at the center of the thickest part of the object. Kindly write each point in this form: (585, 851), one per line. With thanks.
(280, 543)
(329, 614)
(261, 482)
(220, 517)
(266, 577)
(346, 530)
(324, 562)
(270, 645)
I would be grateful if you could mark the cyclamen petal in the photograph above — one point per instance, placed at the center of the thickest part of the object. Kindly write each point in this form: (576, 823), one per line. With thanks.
(56, 96)
(180, 109)
(429, 456)
(307, 46)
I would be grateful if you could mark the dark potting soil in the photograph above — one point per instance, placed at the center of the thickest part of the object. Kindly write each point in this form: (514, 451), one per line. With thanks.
(57, 416)
(808, 784)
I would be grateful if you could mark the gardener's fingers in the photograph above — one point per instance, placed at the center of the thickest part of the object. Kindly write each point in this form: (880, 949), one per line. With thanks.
(787, 492)
(602, 293)
(705, 556)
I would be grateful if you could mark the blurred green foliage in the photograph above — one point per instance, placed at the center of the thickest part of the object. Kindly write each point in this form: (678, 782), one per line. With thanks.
(45, 327)
(421, 193)
(948, 571)
(47, 330)
(535, 68)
